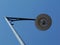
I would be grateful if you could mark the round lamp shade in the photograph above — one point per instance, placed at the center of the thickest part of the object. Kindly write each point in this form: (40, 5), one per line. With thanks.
(43, 22)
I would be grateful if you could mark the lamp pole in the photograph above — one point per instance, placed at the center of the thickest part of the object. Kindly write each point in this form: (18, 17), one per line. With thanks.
(14, 31)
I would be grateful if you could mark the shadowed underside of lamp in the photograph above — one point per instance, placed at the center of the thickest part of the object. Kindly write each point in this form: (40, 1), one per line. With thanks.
(43, 22)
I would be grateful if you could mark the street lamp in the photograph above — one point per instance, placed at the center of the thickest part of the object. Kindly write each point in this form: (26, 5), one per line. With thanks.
(42, 22)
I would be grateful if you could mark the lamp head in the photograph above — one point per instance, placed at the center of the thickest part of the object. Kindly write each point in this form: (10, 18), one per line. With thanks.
(43, 22)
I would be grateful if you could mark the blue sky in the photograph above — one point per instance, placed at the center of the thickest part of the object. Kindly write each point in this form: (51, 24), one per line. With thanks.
(27, 29)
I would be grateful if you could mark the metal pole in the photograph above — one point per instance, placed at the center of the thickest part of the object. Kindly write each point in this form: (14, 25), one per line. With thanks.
(15, 33)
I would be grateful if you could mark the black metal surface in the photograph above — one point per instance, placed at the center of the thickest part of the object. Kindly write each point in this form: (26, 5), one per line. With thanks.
(18, 19)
